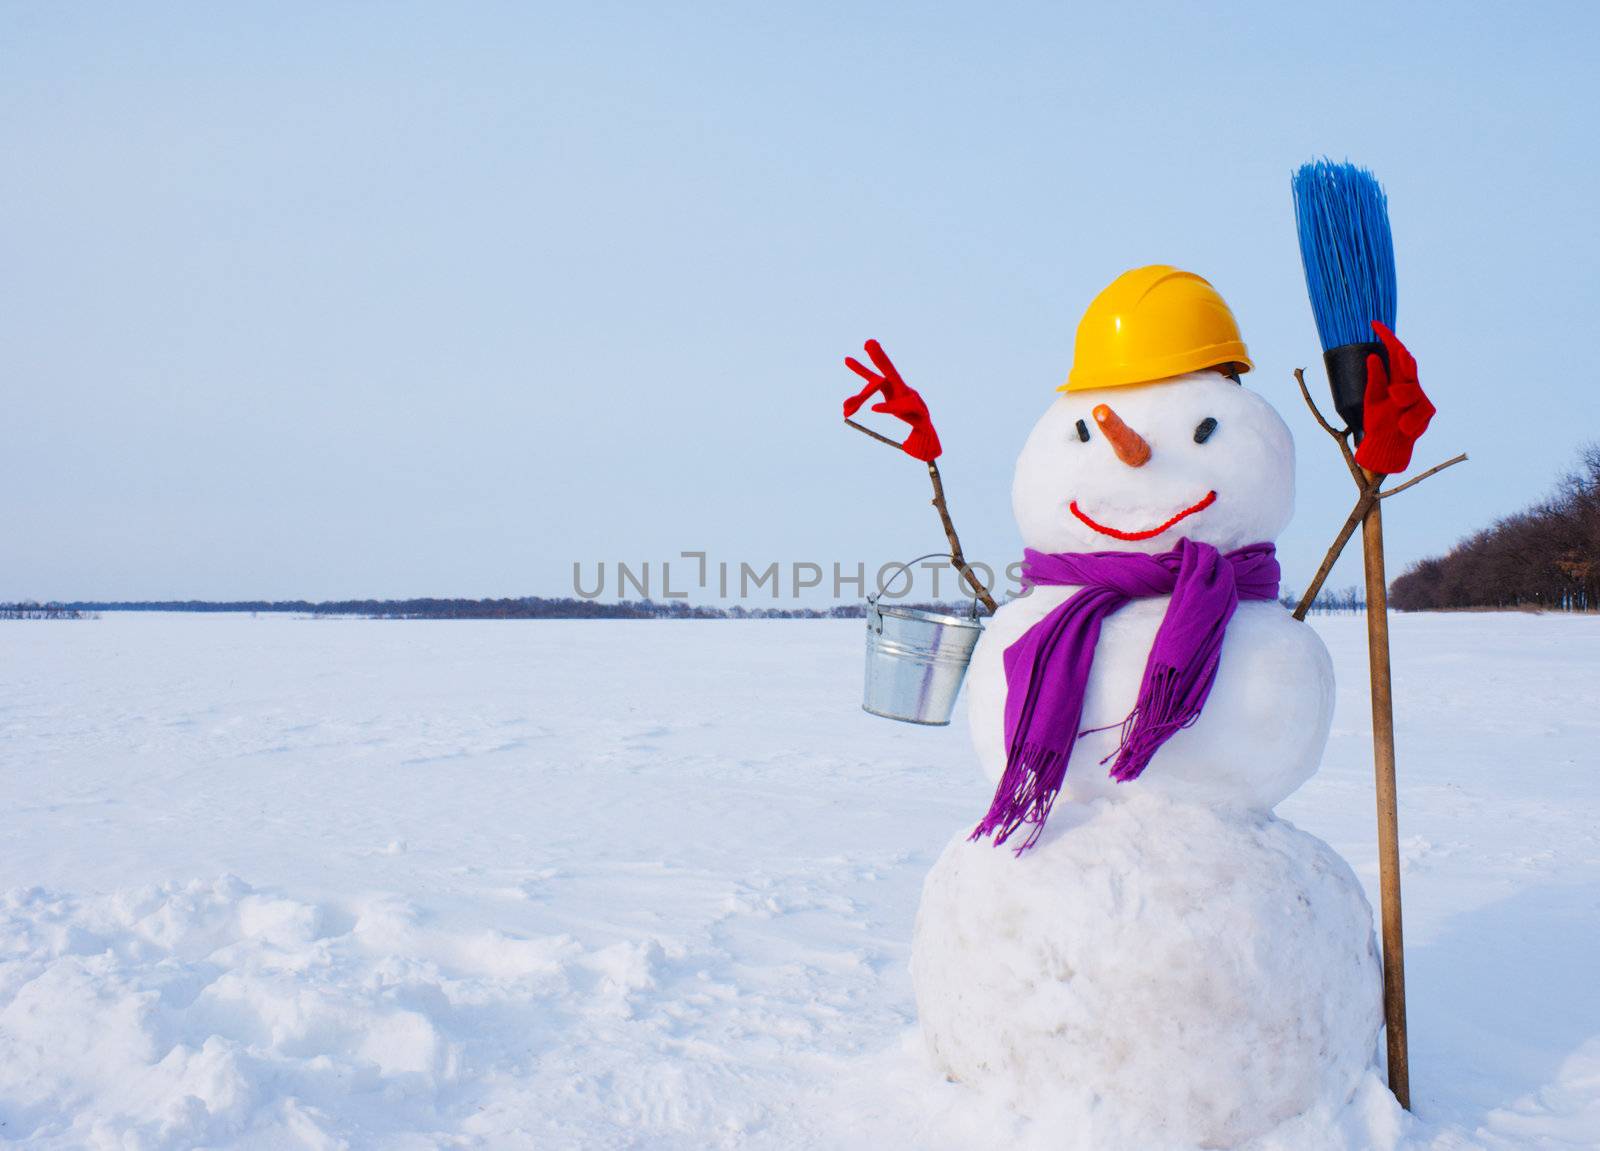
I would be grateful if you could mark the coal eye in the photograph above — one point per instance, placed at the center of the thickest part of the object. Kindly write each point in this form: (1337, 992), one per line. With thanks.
(1203, 430)
(1083, 430)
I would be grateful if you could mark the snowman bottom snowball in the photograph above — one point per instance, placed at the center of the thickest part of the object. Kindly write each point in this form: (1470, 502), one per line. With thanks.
(1151, 973)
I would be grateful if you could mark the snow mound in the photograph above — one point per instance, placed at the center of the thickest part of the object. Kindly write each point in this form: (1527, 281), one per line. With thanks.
(212, 1014)
(1152, 974)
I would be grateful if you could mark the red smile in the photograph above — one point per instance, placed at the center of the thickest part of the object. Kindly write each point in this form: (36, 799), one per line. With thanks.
(1118, 533)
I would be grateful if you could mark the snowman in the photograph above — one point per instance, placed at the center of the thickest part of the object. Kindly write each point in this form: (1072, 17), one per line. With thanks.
(1131, 946)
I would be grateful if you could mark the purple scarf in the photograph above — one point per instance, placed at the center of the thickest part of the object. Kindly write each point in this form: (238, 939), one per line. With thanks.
(1047, 670)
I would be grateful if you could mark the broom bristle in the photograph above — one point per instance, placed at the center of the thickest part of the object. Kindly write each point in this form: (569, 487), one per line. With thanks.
(1347, 249)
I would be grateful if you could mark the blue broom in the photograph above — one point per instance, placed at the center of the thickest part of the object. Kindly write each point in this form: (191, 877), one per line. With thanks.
(1348, 252)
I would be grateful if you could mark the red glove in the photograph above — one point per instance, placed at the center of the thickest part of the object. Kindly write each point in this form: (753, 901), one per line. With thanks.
(899, 400)
(1395, 412)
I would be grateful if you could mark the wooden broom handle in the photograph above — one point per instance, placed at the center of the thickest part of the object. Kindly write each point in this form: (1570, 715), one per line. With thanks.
(1394, 948)
(1369, 512)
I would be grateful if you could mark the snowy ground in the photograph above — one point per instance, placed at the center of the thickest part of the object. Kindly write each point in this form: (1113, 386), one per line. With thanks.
(279, 882)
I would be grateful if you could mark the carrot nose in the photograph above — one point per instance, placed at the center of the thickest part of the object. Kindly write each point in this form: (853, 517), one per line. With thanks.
(1131, 448)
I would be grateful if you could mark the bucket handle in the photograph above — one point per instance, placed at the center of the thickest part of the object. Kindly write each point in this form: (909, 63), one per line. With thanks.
(875, 616)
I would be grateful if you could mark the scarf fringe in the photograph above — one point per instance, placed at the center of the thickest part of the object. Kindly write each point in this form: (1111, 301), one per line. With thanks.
(1157, 716)
(1027, 791)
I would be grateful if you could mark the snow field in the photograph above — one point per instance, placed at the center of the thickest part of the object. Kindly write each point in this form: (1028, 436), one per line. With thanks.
(314, 883)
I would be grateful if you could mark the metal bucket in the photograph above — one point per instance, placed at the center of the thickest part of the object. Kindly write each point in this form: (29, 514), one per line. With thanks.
(916, 661)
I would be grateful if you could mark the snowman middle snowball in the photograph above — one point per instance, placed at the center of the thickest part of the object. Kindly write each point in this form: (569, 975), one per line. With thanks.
(1266, 721)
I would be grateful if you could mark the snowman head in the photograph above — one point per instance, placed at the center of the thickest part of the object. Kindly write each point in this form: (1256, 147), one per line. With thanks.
(1139, 467)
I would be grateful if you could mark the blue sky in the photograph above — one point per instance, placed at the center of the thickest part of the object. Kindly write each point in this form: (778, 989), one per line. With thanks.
(389, 299)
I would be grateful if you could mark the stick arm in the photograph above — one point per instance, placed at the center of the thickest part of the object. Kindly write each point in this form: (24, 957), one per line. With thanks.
(939, 504)
(1367, 484)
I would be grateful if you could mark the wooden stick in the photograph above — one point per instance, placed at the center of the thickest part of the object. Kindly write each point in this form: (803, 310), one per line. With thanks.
(879, 436)
(955, 543)
(1369, 496)
(948, 524)
(1369, 512)
(1342, 438)
(1417, 479)
(1305, 394)
(1394, 957)
(1357, 513)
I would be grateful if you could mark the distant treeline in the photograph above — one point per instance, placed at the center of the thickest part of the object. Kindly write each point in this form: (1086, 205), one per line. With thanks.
(1546, 557)
(42, 611)
(1350, 599)
(527, 607)
(1330, 601)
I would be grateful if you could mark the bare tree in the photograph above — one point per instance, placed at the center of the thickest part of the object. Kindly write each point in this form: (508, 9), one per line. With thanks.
(1547, 557)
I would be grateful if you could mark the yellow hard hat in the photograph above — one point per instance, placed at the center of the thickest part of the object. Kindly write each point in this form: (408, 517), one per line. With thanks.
(1152, 323)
